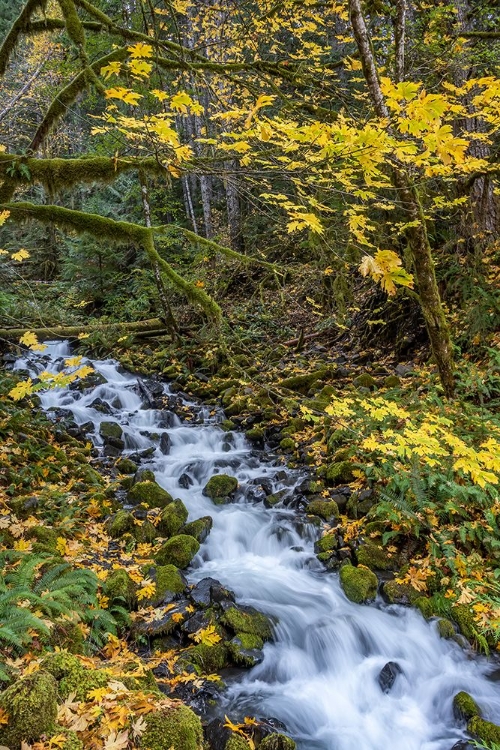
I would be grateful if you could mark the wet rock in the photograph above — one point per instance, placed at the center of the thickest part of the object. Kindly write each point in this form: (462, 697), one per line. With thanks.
(178, 551)
(271, 500)
(89, 382)
(144, 475)
(165, 444)
(166, 620)
(399, 593)
(217, 735)
(126, 466)
(327, 510)
(246, 650)
(277, 742)
(200, 528)
(113, 446)
(463, 745)
(101, 406)
(110, 430)
(465, 707)
(199, 621)
(210, 591)
(166, 419)
(388, 675)
(374, 557)
(185, 481)
(266, 727)
(485, 731)
(173, 517)
(169, 583)
(220, 488)
(242, 619)
(340, 472)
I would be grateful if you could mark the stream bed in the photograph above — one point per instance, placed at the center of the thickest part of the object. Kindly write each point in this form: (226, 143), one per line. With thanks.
(320, 675)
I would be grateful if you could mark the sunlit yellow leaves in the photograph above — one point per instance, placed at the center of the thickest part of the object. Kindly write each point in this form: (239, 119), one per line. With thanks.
(147, 589)
(20, 255)
(22, 389)
(302, 220)
(386, 269)
(30, 339)
(182, 102)
(4, 215)
(140, 50)
(73, 361)
(125, 95)
(113, 69)
(206, 636)
(140, 68)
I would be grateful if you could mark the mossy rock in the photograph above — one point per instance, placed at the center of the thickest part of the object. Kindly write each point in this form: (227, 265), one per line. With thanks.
(67, 635)
(220, 488)
(172, 518)
(246, 649)
(327, 543)
(374, 557)
(120, 588)
(287, 445)
(61, 664)
(255, 435)
(486, 731)
(465, 707)
(200, 528)
(277, 742)
(119, 524)
(302, 383)
(150, 494)
(247, 620)
(209, 659)
(110, 430)
(365, 381)
(81, 681)
(340, 472)
(178, 551)
(31, 708)
(144, 475)
(326, 509)
(426, 606)
(236, 742)
(168, 580)
(337, 438)
(175, 728)
(359, 584)
(400, 593)
(227, 425)
(45, 539)
(392, 381)
(71, 739)
(445, 628)
(464, 618)
(126, 466)
(295, 425)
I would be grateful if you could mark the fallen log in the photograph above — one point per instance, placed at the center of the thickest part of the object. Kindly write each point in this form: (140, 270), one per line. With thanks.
(152, 326)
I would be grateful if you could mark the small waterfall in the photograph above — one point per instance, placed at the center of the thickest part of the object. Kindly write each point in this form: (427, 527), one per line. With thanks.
(320, 676)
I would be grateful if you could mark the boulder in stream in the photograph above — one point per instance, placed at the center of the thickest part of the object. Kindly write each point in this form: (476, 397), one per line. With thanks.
(465, 707)
(178, 551)
(388, 675)
(172, 518)
(200, 528)
(220, 488)
(150, 494)
(359, 584)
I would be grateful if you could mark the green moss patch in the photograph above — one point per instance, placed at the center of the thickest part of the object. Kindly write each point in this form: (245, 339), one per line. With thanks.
(150, 494)
(220, 488)
(178, 551)
(176, 728)
(31, 707)
(359, 584)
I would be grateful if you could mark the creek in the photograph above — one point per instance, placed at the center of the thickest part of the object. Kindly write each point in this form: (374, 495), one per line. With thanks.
(320, 674)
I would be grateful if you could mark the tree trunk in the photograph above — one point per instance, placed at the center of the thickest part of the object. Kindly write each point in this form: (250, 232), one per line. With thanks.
(233, 208)
(72, 332)
(418, 240)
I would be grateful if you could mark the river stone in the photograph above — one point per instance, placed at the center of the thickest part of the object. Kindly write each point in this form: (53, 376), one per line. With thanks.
(99, 405)
(110, 430)
(185, 481)
(277, 742)
(220, 488)
(165, 444)
(210, 591)
(359, 584)
(465, 707)
(388, 675)
(178, 551)
(200, 528)
(246, 650)
(243, 619)
(172, 518)
(149, 493)
(113, 446)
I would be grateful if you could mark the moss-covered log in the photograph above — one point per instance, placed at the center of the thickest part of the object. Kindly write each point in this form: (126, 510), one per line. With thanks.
(72, 332)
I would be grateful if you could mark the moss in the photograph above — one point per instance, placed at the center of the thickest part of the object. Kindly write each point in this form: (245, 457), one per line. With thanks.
(177, 727)
(144, 475)
(327, 543)
(178, 551)
(168, 580)
(126, 466)
(71, 741)
(119, 524)
(277, 742)
(255, 435)
(67, 635)
(31, 707)
(464, 706)
(365, 381)
(172, 518)
(81, 681)
(463, 616)
(236, 742)
(287, 445)
(374, 557)
(220, 488)
(110, 430)
(120, 588)
(46, 539)
(149, 493)
(392, 381)
(324, 509)
(248, 621)
(61, 664)
(359, 584)
(445, 628)
(296, 424)
(227, 425)
(400, 593)
(340, 472)
(302, 383)
(426, 606)
(242, 646)
(209, 659)
(200, 528)
(484, 730)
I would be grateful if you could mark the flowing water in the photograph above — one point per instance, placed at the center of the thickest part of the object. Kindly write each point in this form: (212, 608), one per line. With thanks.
(319, 677)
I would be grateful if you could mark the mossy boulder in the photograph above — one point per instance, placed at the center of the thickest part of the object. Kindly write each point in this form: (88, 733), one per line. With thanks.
(246, 649)
(236, 742)
(445, 628)
(463, 616)
(365, 381)
(175, 728)
(327, 543)
(209, 658)
(325, 509)
(277, 742)
(287, 445)
(374, 557)
(45, 540)
(61, 664)
(172, 518)
(359, 584)
(120, 588)
(340, 472)
(302, 383)
(426, 606)
(110, 430)
(247, 620)
(31, 708)
(178, 551)
(400, 593)
(392, 381)
(465, 707)
(168, 581)
(227, 425)
(126, 466)
(484, 730)
(220, 488)
(200, 528)
(144, 475)
(119, 524)
(255, 435)
(150, 494)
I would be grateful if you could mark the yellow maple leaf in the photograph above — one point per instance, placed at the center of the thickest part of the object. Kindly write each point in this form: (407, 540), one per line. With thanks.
(4, 215)
(140, 50)
(20, 255)
(4, 717)
(125, 95)
(21, 390)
